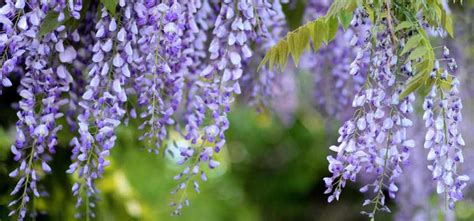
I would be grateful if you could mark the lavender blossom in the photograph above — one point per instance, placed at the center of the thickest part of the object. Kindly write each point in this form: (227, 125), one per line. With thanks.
(375, 140)
(444, 142)
(160, 89)
(42, 85)
(102, 103)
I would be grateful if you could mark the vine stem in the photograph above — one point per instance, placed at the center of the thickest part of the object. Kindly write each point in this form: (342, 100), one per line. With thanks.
(27, 179)
(390, 21)
(385, 167)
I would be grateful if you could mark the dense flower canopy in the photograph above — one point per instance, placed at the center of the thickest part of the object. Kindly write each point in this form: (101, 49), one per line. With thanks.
(90, 67)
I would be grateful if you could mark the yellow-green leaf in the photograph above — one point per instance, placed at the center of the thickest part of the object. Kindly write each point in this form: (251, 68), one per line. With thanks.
(447, 22)
(265, 60)
(273, 58)
(110, 5)
(448, 26)
(345, 18)
(371, 13)
(403, 25)
(318, 32)
(418, 53)
(292, 43)
(412, 85)
(425, 89)
(297, 42)
(303, 38)
(425, 64)
(50, 23)
(444, 84)
(333, 25)
(411, 43)
(282, 49)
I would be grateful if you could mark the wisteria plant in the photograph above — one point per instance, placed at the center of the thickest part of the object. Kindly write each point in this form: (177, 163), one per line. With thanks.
(180, 64)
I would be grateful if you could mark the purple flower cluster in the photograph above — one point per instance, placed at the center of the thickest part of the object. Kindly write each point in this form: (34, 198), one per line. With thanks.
(442, 153)
(182, 62)
(160, 88)
(444, 142)
(102, 103)
(414, 203)
(42, 86)
(374, 140)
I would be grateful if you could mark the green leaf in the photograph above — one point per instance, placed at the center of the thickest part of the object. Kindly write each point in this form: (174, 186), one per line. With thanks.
(73, 24)
(444, 84)
(421, 66)
(447, 22)
(50, 23)
(282, 49)
(412, 85)
(297, 42)
(418, 53)
(371, 13)
(339, 5)
(425, 89)
(322, 30)
(265, 59)
(110, 5)
(273, 58)
(420, 75)
(403, 25)
(318, 31)
(345, 18)
(448, 26)
(292, 39)
(303, 38)
(333, 25)
(411, 43)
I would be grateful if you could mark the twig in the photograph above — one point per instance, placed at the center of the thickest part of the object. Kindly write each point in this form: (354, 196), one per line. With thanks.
(390, 23)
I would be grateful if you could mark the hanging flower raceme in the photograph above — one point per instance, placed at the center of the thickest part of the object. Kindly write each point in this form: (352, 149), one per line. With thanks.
(160, 89)
(375, 141)
(200, 20)
(444, 142)
(418, 206)
(41, 88)
(102, 104)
